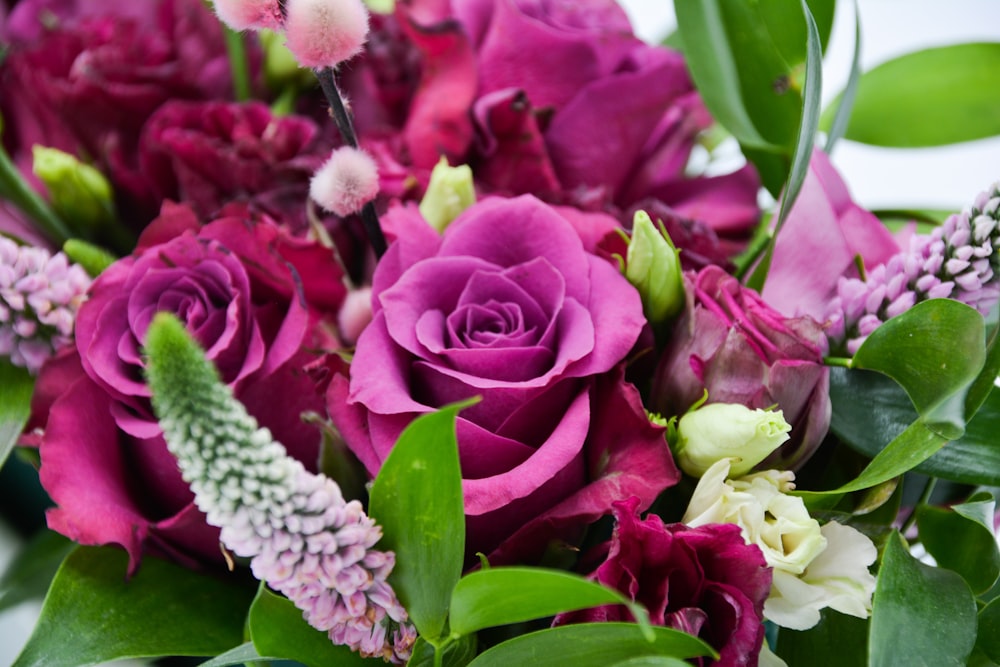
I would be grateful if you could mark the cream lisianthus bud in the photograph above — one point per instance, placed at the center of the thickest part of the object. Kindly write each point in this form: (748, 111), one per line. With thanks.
(728, 430)
(653, 266)
(450, 192)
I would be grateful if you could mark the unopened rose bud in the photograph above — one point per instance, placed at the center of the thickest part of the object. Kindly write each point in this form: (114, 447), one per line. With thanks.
(80, 194)
(653, 266)
(450, 192)
(323, 33)
(346, 181)
(728, 431)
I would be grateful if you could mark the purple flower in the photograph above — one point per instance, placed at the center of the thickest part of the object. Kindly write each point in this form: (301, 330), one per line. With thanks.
(508, 305)
(730, 342)
(705, 581)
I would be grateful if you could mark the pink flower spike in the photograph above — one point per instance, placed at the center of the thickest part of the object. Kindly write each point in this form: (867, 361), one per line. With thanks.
(249, 14)
(323, 33)
(345, 182)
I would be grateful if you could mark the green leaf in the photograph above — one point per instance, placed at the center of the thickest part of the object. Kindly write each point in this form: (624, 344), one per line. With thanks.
(241, 655)
(417, 499)
(653, 661)
(840, 110)
(838, 640)
(92, 614)
(457, 653)
(910, 598)
(591, 645)
(30, 573)
(988, 639)
(278, 628)
(961, 539)
(934, 97)
(16, 388)
(934, 350)
(504, 595)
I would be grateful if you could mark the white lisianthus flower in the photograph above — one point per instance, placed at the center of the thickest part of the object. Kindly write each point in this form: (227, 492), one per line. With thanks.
(728, 430)
(814, 567)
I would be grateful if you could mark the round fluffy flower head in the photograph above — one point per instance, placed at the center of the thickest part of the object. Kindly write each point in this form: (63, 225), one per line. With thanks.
(323, 33)
(347, 181)
(39, 296)
(249, 14)
(721, 430)
(814, 567)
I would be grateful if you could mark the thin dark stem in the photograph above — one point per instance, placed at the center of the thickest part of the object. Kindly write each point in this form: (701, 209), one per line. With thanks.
(369, 218)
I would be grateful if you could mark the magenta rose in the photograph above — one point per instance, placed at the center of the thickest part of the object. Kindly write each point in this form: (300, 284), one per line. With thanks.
(704, 581)
(236, 286)
(731, 343)
(508, 305)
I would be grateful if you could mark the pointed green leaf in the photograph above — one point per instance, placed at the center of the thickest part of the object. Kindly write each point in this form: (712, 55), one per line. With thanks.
(417, 499)
(834, 120)
(934, 97)
(30, 573)
(911, 597)
(838, 640)
(591, 645)
(504, 595)
(16, 388)
(92, 614)
(458, 653)
(935, 350)
(988, 639)
(653, 661)
(241, 655)
(278, 628)
(963, 543)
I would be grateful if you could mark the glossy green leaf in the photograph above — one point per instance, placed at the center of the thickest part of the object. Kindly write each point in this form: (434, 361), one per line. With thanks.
(16, 387)
(838, 640)
(457, 653)
(934, 350)
(92, 614)
(504, 595)
(417, 499)
(844, 104)
(911, 598)
(277, 628)
(963, 543)
(30, 573)
(988, 639)
(241, 655)
(590, 645)
(653, 661)
(934, 97)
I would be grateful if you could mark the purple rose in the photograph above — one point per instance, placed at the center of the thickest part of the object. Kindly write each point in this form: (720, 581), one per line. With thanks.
(509, 306)
(704, 581)
(104, 461)
(730, 342)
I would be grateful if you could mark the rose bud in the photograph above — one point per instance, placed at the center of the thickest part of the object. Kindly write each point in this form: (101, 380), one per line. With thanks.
(653, 266)
(733, 345)
(728, 430)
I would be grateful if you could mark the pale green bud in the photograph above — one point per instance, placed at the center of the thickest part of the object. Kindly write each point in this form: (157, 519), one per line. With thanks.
(450, 192)
(728, 431)
(653, 266)
(79, 193)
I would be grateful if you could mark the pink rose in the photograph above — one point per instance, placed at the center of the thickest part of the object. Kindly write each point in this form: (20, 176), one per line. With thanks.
(705, 581)
(732, 343)
(508, 305)
(104, 461)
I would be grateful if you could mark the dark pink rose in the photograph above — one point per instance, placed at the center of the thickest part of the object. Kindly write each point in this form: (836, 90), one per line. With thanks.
(705, 581)
(238, 288)
(732, 343)
(508, 305)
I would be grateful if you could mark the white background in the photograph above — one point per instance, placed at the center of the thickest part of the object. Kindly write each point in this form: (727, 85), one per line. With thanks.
(940, 178)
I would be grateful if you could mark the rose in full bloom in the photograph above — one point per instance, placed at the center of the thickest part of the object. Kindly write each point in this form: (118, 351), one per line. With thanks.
(238, 288)
(731, 343)
(705, 581)
(508, 305)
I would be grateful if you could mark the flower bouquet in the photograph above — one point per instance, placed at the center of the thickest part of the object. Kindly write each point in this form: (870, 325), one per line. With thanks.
(440, 334)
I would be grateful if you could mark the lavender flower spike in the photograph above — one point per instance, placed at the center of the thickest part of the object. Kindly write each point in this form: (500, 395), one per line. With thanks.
(303, 538)
(39, 296)
(958, 260)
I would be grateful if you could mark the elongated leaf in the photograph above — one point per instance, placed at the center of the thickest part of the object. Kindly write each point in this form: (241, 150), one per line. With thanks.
(838, 640)
(241, 655)
(911, 596)
(33, 568)
(653, 661)
(277, 628)
(988, 639)
(504, 595)
(93, 615)
(963, 543)
(841, 109)
(933, 97)
(16, 387)
(457, 653)
(934, 350)
(590, 645)
(417, 499)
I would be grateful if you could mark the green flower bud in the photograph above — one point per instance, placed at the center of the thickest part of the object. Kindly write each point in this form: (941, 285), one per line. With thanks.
(80, 194)
(728, 431)
(450, 192)
(653, 266)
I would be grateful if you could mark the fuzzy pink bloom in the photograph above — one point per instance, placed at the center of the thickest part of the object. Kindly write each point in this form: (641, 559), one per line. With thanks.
(345, 182)
(355, 314)
(249, 14)
(322, 33)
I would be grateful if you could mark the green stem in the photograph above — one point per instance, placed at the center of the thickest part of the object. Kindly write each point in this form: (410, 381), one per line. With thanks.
(845, 362)
(925, 498)
(15, 189)
(236, 49)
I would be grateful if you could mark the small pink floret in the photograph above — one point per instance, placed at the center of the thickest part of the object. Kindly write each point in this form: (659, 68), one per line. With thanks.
(345, 182)
(249, 14)
(323, 33)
